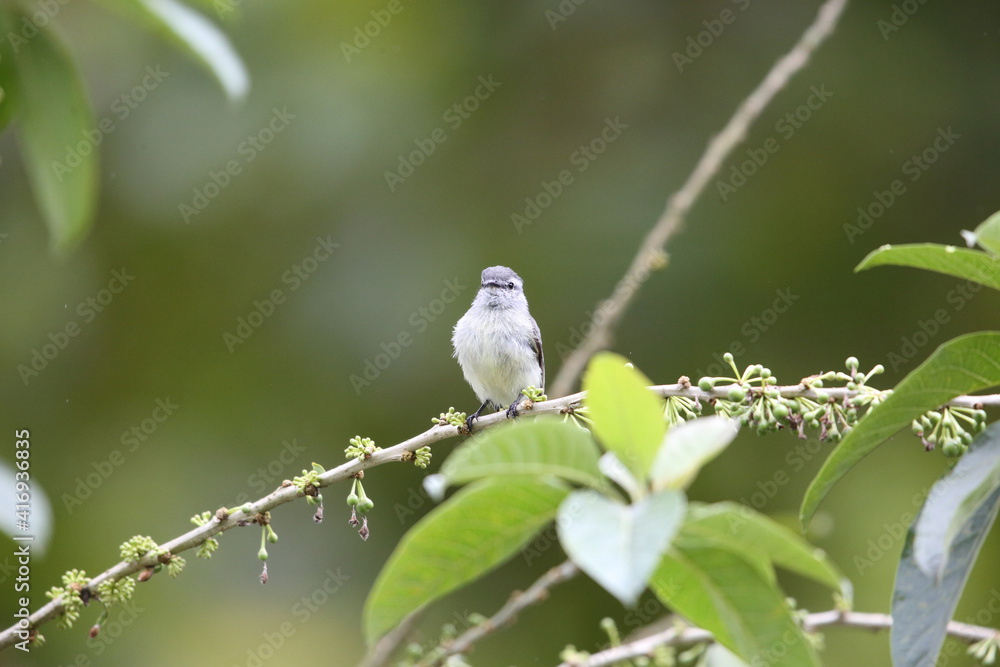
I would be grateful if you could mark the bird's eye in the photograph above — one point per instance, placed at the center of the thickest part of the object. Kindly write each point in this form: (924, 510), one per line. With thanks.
(510, 285)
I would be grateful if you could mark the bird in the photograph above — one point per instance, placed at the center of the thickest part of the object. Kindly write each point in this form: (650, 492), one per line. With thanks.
(498, 343)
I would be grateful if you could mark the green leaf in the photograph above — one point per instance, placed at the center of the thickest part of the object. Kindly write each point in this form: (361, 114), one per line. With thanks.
(473, 532)
(628, 417)
(717, 655)
(954, 499)
(740, 529)
(55, 118)
(619, 545)
(537, 447)
(687, 448)
(195, 34)
(963, 263)
(723, 592)
(988, 234)
(960, 366)
(923, 605)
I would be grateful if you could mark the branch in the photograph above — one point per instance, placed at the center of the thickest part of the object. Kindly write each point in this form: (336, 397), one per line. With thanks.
(537, 592)
(686, 635)
(651, 254)
(380, 654)
(226, 519)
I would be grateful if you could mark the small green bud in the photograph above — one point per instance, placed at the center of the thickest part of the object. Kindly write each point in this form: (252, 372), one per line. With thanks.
(706, 384)
(737, 395)
(953, 449)
(780, 411)
(365, 505)
(852, 362)
(262, 554)
(822, 397)
(728, 357)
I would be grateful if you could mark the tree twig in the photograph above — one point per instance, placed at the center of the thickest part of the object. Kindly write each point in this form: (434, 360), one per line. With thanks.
(651, 254)
(537, 592)
(381, 653)
(687, 635)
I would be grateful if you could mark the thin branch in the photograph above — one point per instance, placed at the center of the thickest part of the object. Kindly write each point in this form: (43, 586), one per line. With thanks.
(537, 592)
(651, 253)
(687, 636)
(386, 647)
(227, 519)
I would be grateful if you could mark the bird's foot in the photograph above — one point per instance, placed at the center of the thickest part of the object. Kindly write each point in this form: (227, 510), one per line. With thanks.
(468, 422)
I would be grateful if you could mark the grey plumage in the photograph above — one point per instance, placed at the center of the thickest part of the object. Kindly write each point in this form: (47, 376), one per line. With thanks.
(498, 343)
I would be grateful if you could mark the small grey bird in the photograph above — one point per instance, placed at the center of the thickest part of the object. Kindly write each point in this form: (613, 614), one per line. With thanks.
(498, 344)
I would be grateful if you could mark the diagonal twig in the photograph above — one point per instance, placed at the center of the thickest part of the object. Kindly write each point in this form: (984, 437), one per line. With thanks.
(651, 254)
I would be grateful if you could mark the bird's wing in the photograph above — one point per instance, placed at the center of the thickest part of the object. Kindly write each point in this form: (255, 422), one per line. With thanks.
(536, 344)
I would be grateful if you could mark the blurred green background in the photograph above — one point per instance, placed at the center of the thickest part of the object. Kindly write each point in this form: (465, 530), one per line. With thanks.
(252, 413)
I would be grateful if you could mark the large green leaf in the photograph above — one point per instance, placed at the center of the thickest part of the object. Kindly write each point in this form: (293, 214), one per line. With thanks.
(538, 447)
(965, 364)
(922, 605)
(740, 529)
(628, 418)
(963, 263)
(195, 34)
(689, 446)
(473, 532)
(619, 545)
(725, 593)
(56, 128)
(954, 499)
